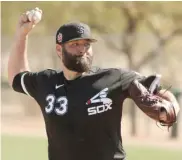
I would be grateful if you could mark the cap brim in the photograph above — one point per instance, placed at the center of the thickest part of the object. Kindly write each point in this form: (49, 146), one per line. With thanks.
(90, 39)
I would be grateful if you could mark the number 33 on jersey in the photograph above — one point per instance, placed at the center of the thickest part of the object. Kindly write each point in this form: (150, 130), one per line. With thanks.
(51, 101)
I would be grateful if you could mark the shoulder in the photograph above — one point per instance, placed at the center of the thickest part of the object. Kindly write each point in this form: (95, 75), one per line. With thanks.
(123, 72)
(47, 74)
(103, 70)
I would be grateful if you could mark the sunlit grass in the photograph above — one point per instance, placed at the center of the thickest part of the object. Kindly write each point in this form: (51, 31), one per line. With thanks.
(21, 148)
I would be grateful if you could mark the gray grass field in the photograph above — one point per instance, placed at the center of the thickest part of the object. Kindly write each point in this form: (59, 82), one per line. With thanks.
(35, 148)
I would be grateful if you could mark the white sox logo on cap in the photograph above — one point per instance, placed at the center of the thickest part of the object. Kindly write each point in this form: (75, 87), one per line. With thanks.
(80, 29)
(59, 37)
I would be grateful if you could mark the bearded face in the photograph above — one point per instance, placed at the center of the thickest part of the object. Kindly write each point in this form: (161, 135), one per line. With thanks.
(77, 61)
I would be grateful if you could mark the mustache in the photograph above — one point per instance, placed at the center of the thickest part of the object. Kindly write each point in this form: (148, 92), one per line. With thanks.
(86, 54)
(79, 57)
(82, 58)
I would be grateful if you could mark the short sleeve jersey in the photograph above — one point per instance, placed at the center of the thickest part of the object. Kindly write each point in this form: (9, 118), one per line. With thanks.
(82, 116)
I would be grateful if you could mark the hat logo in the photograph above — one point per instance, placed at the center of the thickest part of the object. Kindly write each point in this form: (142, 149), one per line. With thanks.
(80, 29)
(59, 37)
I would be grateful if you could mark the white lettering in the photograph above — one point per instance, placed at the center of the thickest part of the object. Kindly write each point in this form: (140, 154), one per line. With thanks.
(92, 111)
(99, 109)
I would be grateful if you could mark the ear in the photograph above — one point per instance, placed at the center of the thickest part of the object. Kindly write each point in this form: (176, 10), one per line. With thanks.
(59, 50)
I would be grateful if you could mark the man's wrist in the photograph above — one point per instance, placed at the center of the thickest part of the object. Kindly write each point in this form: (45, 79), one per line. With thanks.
(20, 36)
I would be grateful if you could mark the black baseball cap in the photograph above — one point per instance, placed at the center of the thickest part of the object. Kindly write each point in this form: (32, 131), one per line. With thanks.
(73, 31)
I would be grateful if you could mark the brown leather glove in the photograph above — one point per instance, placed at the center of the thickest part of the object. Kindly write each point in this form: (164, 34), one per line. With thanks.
(151, 104)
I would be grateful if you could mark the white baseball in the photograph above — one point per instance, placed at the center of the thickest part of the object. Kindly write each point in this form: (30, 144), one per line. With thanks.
(34, 16)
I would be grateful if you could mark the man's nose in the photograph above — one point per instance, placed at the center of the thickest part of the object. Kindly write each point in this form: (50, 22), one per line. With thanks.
(82, 49)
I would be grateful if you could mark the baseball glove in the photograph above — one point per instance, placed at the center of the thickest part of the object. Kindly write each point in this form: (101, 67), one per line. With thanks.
(151, 104)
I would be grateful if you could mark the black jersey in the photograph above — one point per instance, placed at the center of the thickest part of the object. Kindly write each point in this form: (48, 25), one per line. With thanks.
(82, 116)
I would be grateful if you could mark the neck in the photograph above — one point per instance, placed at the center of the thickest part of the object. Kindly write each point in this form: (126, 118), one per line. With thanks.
(70, 75)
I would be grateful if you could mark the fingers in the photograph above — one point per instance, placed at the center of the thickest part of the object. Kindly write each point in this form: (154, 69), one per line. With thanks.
(28, 20)
(27, 12)
(24, 18)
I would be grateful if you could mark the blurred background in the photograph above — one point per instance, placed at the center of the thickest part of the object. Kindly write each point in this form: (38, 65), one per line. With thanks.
(143, 36)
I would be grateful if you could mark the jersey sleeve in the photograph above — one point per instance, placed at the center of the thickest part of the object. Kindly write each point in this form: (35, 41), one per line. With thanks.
(127, 76)
(29, 82)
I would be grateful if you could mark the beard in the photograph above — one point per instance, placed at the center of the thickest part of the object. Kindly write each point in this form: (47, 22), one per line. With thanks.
(76, 63)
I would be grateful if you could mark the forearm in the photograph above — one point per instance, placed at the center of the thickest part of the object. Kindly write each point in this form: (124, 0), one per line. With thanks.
(18, 57)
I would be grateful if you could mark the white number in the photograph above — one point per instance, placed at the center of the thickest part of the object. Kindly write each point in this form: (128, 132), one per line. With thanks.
(50, 99)
(63, 105)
